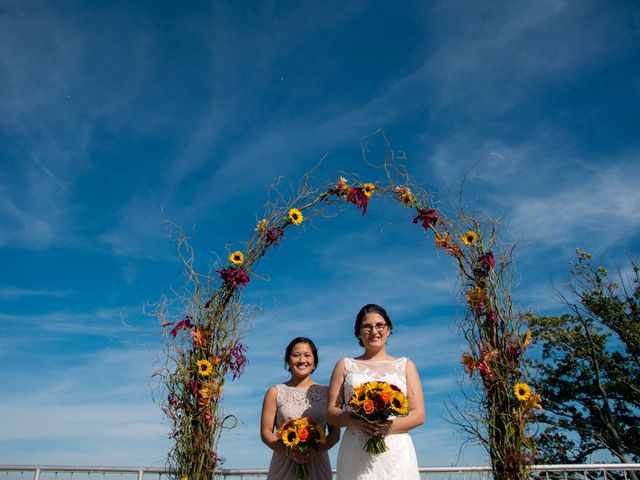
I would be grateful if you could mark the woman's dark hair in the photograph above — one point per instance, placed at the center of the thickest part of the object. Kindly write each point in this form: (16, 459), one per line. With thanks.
(293, 343)
(371, 308)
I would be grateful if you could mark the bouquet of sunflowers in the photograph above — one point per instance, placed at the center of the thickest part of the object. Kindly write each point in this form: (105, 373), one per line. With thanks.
(301, 434)
(377, 402)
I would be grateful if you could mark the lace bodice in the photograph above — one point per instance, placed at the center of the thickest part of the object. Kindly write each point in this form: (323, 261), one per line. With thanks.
(361, 371)
(293, 402)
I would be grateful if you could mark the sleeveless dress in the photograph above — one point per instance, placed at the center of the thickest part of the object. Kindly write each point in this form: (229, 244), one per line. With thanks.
(400, 461)
(291, 403)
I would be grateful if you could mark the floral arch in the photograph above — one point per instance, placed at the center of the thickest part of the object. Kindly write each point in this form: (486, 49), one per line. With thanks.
(203, 348)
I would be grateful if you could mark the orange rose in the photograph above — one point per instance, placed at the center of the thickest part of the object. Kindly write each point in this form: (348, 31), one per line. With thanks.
(385, 397)
(303, 434)
(368, 406)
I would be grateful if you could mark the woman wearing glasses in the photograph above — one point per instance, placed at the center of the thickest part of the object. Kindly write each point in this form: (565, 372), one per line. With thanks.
(372, 328)
(298, 397)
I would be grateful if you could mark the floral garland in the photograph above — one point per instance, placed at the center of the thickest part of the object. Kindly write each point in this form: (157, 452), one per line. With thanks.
(204, 346)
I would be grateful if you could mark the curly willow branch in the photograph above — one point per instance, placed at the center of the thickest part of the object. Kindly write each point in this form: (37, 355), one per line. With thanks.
(205, 321)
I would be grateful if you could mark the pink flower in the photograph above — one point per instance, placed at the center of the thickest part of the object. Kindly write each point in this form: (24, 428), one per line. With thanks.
(427, 217)
(484, 368)
(237, 359)
(357, 196)
(235, 276)
(274, 235)
(485, 263)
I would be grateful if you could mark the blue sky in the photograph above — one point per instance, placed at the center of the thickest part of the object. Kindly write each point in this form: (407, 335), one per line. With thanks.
(117, 116)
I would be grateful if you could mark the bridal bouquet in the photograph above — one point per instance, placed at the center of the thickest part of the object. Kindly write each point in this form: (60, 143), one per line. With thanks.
(301, 434)
(377, 402)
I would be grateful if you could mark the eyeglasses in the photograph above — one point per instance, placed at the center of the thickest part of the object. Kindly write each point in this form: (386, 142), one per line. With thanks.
(369, 328)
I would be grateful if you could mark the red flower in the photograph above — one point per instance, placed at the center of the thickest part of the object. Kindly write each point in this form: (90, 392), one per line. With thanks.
(235, 276)
(186, 324)
(485, 263)
(274, 235)
(492, 318)
(215, 459)
(427, 217)
(380, 404)
(237, 359)
(357, 196)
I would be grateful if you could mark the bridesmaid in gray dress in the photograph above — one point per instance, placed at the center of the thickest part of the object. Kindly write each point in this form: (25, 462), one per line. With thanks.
(298, 397)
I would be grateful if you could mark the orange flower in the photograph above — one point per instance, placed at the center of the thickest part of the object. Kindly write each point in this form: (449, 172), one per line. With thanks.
(453, 250)
(385, 397)
(303, 434)
(475, 296)
(368, 406)
(200, 336)
(470, 363)
(442, 240)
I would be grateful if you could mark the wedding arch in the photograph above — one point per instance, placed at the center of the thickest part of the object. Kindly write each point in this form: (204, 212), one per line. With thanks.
(202, 342)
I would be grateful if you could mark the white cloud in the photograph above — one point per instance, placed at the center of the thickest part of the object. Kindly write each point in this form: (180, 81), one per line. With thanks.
(599, 210)
(12, 293)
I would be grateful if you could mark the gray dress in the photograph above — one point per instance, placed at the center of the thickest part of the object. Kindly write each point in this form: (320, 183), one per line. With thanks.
(292, 403)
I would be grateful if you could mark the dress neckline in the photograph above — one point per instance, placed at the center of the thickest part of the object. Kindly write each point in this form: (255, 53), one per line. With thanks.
(302, 389)
(378, 361)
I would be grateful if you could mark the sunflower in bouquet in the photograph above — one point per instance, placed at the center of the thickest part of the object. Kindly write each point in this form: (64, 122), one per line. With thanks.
(377, 402)
(301, 434)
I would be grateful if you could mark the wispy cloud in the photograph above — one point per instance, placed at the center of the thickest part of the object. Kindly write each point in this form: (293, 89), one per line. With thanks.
(53, 96)
(12, 293)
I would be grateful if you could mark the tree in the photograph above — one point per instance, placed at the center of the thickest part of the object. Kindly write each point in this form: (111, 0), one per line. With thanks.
(589, 372)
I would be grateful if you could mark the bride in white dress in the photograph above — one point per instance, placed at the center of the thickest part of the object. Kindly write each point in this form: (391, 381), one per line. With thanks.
(372, 328)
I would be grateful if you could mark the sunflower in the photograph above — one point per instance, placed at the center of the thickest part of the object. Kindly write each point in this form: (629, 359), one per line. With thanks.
(407, 199)
(236, 258)
(368, 189)
(321, 435)
(290, 437)
(295, 216)
(470, 238)
(204, 367)
(399, 403)
(522, 391)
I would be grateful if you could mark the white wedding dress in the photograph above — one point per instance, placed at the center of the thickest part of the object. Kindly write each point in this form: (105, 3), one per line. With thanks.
(354, 463)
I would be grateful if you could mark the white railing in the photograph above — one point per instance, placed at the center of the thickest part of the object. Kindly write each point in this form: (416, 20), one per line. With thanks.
(610, 471)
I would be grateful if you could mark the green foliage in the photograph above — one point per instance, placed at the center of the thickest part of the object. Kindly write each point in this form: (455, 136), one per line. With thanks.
(590, 367)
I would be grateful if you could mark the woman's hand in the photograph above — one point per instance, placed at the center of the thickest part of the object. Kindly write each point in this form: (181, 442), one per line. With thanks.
(372, 429)
(298, 456)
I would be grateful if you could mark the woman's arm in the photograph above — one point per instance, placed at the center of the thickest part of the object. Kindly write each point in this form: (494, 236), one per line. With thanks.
(415, 396)
(332, 438)
(336, 416)
(268, 422)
